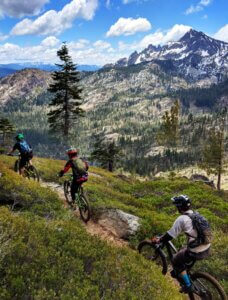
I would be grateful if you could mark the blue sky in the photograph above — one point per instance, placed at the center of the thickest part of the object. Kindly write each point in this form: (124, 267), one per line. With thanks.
(101, 31)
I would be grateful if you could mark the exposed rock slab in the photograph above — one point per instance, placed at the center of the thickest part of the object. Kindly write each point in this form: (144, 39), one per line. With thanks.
(119, 223)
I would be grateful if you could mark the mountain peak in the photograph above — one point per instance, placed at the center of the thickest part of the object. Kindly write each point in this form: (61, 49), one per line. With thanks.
(192, 34)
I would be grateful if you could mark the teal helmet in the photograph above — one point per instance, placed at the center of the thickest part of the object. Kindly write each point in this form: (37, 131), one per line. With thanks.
(19, 136)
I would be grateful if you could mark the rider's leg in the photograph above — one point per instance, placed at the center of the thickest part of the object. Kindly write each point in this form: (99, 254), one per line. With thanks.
(74, 189)
(22, 164)
(179, 261)
(22, 171)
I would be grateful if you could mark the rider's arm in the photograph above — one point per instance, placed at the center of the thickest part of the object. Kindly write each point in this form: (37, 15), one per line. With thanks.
(177, 228)
(15, 147)
(66, 168)
(165, 238)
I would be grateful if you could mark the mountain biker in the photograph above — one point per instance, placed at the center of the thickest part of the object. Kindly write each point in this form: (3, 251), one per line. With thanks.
(25, 151)
(79, 170)
(193, 251)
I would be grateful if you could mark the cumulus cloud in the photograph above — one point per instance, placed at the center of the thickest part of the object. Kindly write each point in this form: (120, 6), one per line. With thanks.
(163, 37)
(18, 9)
(198, 7)
(222, 34)
(158, 38)
(50, 41)
(128, 26)
(53, 22)
(82, 52)
(102, 44)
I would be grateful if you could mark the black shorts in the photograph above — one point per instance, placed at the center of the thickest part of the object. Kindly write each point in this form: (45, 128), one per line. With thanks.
(24, 159)
(184, 256)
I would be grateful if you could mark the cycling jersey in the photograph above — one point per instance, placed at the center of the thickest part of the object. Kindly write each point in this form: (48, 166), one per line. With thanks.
(18, 146)
(184, 224)
(76, 175)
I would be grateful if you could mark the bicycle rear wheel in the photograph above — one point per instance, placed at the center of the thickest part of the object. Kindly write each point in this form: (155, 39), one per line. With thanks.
(206, 287)
(84, 208)
(32, 173)
(67, 188)
(148, 250)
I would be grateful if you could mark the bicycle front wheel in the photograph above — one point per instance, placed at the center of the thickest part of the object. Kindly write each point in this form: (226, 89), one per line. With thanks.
(206, 287)
(67, 188)
(84, 208)
(148, 250)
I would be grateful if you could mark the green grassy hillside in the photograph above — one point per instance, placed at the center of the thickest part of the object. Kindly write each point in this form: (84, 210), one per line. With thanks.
(150, 200)
(45, 252)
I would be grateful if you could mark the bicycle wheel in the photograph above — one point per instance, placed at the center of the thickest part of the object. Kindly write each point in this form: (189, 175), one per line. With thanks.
(31, 172)
(206, 287)
(66, 188)
(16, 166)
(84, 208)
(148, 250)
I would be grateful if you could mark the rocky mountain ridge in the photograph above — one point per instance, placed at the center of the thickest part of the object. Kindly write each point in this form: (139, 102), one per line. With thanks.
(25, 84)
(195, 56)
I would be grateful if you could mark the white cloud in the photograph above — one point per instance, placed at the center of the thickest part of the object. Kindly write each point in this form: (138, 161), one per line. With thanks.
(83, 51)
(158, 38)
(21, 8)
(102, 44)
(198, 7)
(222, 34)
(80, 44)
(128, 26)
(163, 37)
(53, 22)
(50, 41)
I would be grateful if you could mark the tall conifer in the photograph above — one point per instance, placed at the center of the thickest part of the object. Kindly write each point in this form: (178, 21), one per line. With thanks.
(6, 128)
(67, 95)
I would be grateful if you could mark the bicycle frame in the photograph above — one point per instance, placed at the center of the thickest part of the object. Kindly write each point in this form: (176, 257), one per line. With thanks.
(171, 249)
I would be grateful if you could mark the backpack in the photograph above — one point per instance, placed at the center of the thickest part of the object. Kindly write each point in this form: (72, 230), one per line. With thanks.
(80, 167)
(24, 147)
(202, 226)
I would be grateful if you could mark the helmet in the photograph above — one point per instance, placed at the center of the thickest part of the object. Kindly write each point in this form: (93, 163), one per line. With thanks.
(19, 137)
(72, 151)
(181, 201)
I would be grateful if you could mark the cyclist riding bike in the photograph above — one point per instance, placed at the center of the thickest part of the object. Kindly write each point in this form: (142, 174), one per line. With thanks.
(25, 151)
(194, 249)
(79, 169)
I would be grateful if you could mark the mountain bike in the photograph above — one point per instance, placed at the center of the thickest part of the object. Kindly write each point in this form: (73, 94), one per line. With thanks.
(81, 200)
(205, 286)
(30, 171)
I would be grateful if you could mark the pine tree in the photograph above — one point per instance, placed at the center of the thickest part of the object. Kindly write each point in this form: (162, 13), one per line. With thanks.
(6, 128)
(67, 95)
(169, 132)
(213, 154)
(106, 153)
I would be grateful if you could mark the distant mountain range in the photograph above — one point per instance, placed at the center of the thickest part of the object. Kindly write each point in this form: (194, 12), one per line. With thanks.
(7, 69)
(195, 56)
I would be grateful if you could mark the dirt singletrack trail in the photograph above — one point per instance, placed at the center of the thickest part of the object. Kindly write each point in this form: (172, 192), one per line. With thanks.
(94, 228)
(91, 227)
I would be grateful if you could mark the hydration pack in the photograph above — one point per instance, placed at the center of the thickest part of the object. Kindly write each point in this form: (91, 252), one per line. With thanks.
(201, 225)
(80, 167)
(25, 148)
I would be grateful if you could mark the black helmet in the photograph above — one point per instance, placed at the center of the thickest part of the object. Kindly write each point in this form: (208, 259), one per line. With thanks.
(181, 201)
